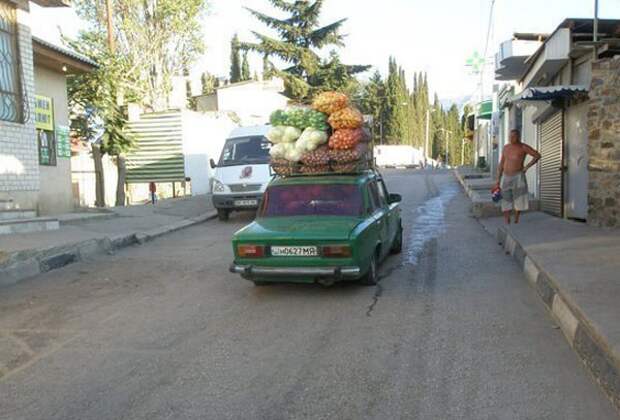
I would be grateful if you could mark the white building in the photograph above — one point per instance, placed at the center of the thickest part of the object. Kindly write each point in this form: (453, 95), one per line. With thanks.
(252, 101)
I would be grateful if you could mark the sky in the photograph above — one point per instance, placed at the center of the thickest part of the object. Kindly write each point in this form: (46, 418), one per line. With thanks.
(436, 36)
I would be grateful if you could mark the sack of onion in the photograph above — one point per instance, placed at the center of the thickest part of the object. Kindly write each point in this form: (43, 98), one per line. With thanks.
(346, 138)
(330, 102)
(346, 118)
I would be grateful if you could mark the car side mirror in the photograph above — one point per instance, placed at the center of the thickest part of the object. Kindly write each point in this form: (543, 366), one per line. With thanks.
(395, 198)
(212, 163)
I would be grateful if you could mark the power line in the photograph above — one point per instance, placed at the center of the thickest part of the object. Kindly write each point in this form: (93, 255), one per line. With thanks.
(486, 47)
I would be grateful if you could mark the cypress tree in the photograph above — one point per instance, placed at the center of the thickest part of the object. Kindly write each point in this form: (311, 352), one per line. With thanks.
(245, 68)
(235, 63)
(266, 68)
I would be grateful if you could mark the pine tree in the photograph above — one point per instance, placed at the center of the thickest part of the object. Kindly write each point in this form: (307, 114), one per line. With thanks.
(208, 83)
(235, 62)
(373, 103)
(245, 68)
(299, 39)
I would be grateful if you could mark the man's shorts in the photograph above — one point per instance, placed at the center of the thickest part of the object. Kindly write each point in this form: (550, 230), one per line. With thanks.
(514, 192)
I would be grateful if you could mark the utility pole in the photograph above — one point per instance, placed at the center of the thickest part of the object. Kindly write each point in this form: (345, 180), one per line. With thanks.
(595, 22)
(108, 7)
(428, 118)
(96, 148)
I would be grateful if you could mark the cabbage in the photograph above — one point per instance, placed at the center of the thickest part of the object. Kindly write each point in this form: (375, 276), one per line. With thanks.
(291, 134)
(317, 137)
(276, 134)
(294, 154)
(278, 151)
(310, 139)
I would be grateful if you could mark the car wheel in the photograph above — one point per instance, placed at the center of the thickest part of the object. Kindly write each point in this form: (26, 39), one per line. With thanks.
(223, 214)
(397, 246)
(371, 278)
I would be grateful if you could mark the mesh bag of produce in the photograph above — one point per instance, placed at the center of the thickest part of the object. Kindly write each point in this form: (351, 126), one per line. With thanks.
(330, 102)
(318, 157)
(283, 167)
(346, 118)
(314, 170)
(346, 138)
(358, 153)
(342, 168)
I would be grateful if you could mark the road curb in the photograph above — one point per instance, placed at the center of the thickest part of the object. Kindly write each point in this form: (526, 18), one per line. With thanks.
(590, 345)
(25, 264)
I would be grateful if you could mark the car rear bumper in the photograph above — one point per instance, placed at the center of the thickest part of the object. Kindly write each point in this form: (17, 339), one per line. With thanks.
(252, 271)
(227, 201)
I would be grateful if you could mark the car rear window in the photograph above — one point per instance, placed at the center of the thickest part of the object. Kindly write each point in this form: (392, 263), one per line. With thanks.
(317, 200)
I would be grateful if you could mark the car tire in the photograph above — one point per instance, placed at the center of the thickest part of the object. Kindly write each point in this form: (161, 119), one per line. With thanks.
(223, 214)
(371, 278)
(397, 245)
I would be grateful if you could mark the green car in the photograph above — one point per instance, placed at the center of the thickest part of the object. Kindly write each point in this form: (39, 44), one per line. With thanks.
(320, 229)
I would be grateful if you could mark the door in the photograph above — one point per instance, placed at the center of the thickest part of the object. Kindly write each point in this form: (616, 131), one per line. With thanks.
(551, 135)
(576, 200)
(392, 211)
(381, 217)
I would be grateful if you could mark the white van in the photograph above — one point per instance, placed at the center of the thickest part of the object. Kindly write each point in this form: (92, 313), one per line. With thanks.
(242, 173)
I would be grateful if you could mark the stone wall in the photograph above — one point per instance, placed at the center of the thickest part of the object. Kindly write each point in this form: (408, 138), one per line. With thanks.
(604, 144)
(19, 176)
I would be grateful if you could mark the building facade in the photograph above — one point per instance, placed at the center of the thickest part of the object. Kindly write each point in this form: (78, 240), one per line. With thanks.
(553, 102)
(35, 153)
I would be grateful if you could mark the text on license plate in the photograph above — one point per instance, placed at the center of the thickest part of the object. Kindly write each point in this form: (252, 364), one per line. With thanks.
(294, 251)
(246, 203)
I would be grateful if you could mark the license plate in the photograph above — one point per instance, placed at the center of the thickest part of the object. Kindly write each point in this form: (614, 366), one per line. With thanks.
(246, 203)
(294, 251)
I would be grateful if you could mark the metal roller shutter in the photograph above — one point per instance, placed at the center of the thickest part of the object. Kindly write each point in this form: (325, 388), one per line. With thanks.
(158, 155)
(551, 135)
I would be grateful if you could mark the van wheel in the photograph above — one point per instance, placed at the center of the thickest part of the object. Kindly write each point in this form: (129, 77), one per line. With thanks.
(223, 214)
(371, 277)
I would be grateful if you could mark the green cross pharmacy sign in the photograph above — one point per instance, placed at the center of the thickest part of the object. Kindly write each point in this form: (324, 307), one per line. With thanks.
(475, 62)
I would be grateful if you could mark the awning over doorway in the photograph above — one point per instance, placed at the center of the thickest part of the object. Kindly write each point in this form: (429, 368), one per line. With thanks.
(549, 93)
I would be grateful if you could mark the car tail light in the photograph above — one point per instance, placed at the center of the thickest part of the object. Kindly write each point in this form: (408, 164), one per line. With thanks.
(251, 251)
(337, 251)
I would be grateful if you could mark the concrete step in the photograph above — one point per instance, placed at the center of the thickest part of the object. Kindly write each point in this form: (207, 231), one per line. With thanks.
(17, 214)
(36, 224)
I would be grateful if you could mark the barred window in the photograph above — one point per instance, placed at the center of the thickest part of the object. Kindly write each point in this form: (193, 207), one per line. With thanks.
(10, 98)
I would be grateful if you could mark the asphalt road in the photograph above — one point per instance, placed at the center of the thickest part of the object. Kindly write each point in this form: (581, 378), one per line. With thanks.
(163, 331)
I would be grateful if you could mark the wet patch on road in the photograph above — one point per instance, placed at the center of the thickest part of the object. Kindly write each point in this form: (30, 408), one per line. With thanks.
(429, 221)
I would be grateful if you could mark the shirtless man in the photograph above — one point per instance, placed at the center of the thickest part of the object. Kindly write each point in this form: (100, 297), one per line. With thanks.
(511, 176)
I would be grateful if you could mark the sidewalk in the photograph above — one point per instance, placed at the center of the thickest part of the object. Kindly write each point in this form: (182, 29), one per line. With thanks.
(89, 233)
(477, 186)
(575, 269)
